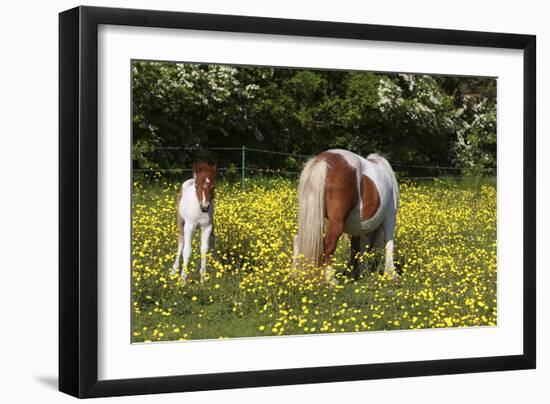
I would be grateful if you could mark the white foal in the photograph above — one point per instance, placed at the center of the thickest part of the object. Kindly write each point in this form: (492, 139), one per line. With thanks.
(195, 208)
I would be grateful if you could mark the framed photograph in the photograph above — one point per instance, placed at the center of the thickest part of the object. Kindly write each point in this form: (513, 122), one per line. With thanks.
(251, 201)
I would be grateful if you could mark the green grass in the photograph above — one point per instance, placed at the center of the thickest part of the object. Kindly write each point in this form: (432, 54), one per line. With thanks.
(445, 251)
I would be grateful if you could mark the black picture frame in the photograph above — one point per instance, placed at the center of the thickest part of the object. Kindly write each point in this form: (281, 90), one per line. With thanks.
(78, 200)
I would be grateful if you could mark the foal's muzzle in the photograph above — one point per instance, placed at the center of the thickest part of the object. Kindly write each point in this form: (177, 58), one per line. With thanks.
(205, 208)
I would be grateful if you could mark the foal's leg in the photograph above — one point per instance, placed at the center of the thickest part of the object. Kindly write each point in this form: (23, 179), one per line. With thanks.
(176, 265)
(188, 230)
(334, 231)
(389, 268)
(212, 243)
(206, 233)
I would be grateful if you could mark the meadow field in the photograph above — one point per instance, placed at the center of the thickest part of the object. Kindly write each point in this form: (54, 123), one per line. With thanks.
(445, 248)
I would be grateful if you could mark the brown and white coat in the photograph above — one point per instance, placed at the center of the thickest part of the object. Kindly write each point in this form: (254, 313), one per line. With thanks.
(357, 195)
(195, 208)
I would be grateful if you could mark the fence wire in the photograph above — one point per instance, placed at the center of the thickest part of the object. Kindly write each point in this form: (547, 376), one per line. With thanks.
(242, 169)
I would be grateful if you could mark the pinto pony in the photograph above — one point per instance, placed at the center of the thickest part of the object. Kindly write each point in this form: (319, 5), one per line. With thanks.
(359, 196)
(195, 208)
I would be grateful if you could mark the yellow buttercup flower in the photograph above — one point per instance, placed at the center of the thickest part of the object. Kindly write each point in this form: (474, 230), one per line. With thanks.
(445, 252)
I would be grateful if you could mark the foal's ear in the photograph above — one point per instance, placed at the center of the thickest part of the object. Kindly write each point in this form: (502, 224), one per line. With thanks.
(196, 169)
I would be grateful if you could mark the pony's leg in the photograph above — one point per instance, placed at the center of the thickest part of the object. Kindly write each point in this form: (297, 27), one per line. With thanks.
(206, 232)
(334, 231)
(389, 268)
(378, 239)
(357, 247)
(375, 244)
(363, 243)
(188, 230)
(176, 265)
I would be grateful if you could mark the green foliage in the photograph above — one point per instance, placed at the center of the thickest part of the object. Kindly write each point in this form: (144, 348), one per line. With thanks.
(412, 119)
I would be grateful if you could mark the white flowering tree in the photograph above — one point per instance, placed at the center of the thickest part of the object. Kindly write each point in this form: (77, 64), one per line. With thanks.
(413, 119)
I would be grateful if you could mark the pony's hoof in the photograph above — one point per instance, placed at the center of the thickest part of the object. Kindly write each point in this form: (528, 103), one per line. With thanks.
(183, 279)
(202, 279)
(393, 277)
(331, 282)
(174, 271)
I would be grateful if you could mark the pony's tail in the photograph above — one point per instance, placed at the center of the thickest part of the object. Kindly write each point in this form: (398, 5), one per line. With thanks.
(311, 213)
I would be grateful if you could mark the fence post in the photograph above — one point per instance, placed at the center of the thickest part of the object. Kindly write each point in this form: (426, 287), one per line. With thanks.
(242, 167)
